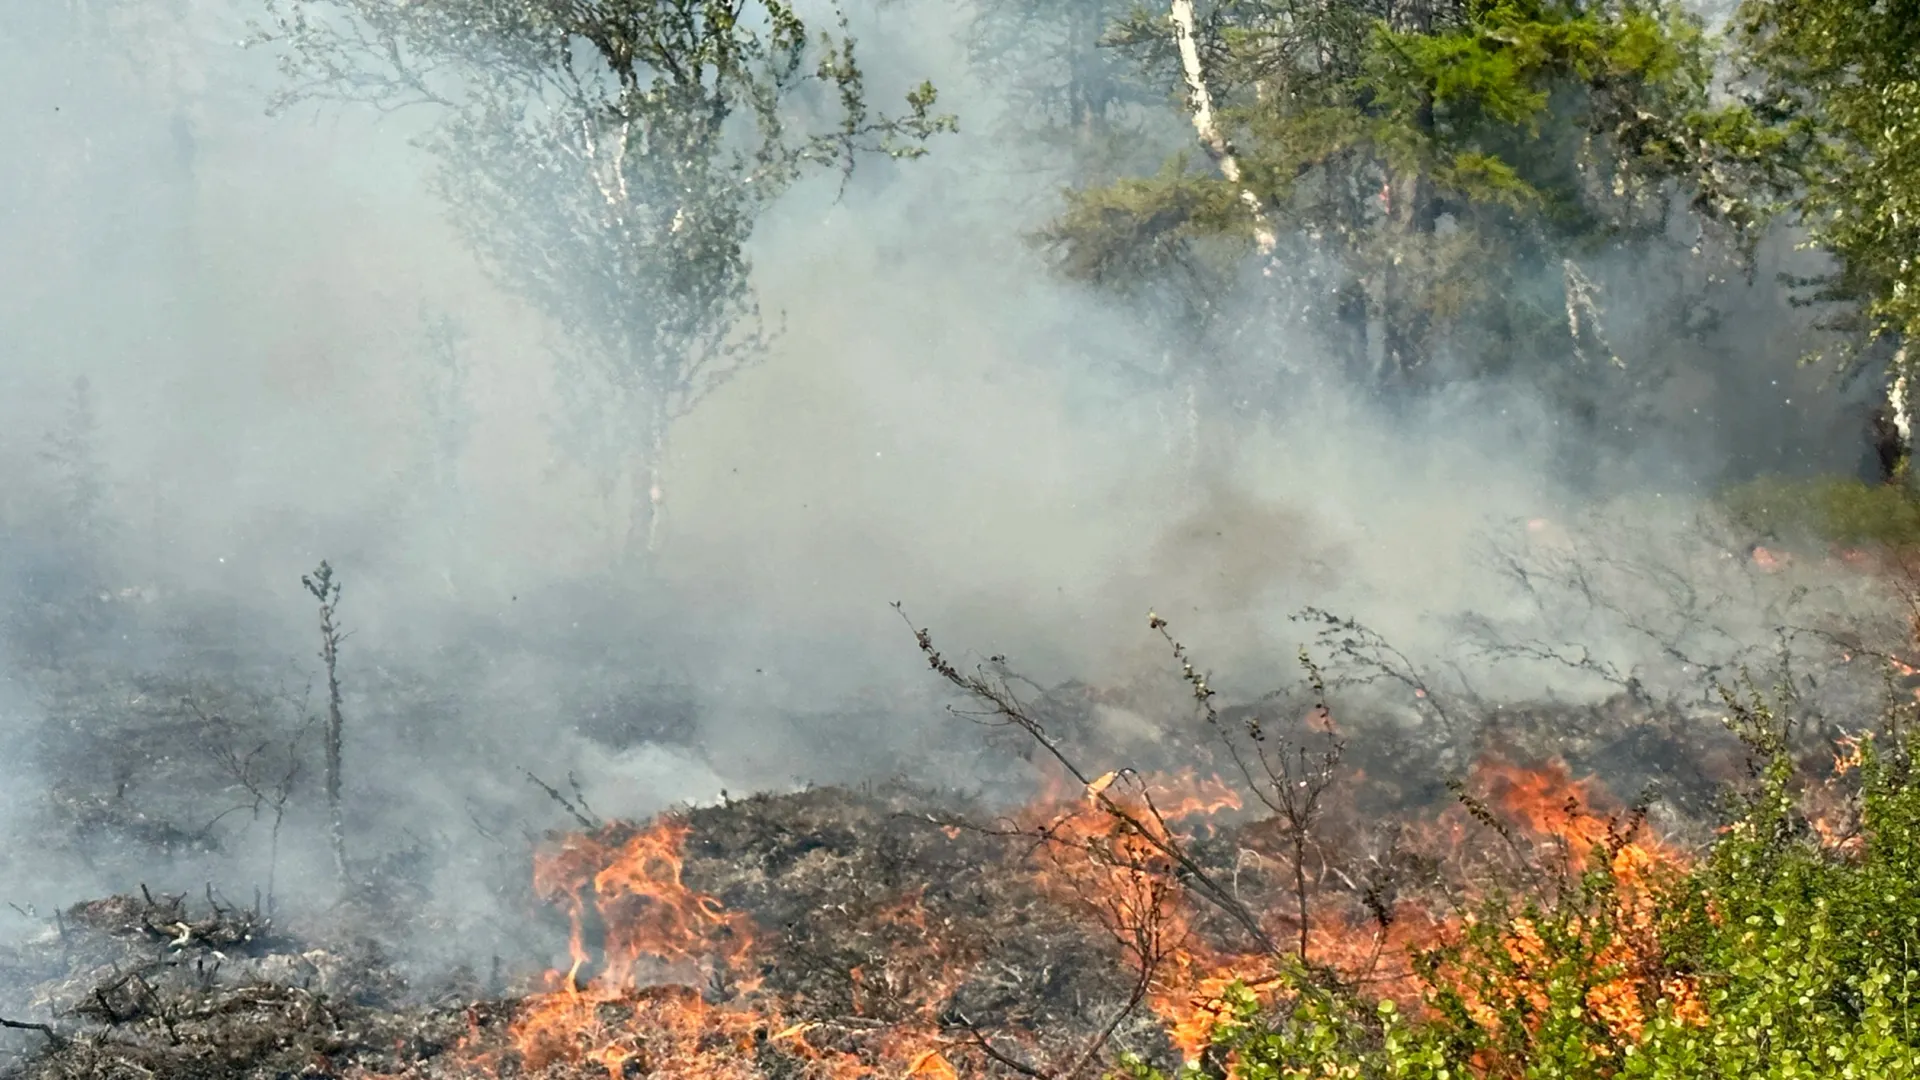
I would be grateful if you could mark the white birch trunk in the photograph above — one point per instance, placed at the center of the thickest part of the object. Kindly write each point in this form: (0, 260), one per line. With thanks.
(646, 490)
(1201, 101)
(1900, 408)
(656, 494)
(1897, 397)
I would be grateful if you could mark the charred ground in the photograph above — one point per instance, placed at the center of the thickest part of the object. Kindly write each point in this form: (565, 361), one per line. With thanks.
(850, 931)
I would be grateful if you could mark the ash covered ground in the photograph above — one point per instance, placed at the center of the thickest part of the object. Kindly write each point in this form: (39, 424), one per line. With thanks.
(876, 928)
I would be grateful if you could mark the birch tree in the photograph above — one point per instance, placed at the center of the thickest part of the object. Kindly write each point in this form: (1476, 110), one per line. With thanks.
(1430, 176)
(607, 160)
(1206, 125)
(1833, 93)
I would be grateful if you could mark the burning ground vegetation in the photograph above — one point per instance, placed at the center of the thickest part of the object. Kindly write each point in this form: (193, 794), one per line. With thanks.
(1318, 883)
(1252, 904)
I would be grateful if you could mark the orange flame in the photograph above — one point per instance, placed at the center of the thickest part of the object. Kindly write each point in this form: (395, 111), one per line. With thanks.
(1548, 804)
(664, 979)
(660, 939)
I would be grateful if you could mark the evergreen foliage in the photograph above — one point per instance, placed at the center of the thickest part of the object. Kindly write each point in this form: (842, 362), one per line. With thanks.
(1454, 165)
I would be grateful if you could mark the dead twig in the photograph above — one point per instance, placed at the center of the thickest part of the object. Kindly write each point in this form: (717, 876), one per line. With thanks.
(1005, 708)
(984, 1043)
(53, 1037)
(1144, 935)
(577, 808)
(269, 791)
(326, 589)
(1295, 782)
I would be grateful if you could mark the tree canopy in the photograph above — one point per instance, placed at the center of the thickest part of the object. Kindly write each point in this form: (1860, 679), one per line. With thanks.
(1832, 88)
(1430, 192)
(1446, 159)
(608, 160)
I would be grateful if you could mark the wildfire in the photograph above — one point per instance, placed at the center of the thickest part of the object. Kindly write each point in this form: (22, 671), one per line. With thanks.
(665, 981)
(1832, 815)
(650, 917)
(660, 938)
(1548, 805)
(676, 993)
(1111, 849)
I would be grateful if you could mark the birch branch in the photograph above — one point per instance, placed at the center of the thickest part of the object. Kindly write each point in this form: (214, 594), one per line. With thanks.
(1583, 296)
(1201, 101)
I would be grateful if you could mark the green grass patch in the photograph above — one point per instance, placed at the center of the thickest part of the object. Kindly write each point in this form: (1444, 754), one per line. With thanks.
(1825, 510)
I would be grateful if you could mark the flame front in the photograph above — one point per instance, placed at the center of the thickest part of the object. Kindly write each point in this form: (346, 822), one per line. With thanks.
(1550, 807)
(675, 990)
(665, 981)
(659, 939)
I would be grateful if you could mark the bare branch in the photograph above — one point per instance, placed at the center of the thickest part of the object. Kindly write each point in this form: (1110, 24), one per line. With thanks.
(1003, 706)
(53, 1036)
